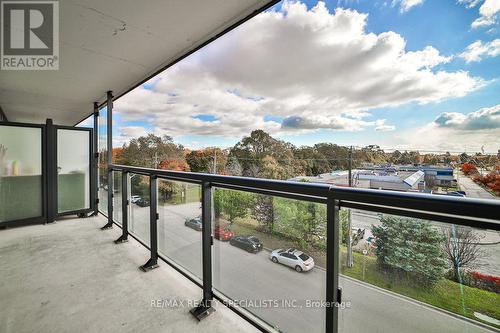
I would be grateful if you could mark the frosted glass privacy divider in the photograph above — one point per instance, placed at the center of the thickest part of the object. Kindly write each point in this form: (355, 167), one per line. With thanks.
(20, 172)
(73, 170)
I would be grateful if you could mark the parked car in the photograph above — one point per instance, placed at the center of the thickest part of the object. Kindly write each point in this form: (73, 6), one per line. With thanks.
(456, 193)
(134, 198)
(247, 243)
(194, 223)
(142, 202)
(296, 259)
(223, 233)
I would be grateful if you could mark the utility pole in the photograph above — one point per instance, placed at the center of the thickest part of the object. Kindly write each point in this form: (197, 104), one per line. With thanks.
(349, 223)
(156, 161)
(215, 161)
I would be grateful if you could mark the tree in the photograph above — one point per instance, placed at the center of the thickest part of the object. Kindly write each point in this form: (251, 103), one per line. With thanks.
(208, 160)
(271, 169)
(233, 204)
(491, 180)
(233, 167)
(344, 225)
(263, 211)
(300, 220)
(251, 151)
(411, 247)
(461, 246)
(150, 151)
(469, 169)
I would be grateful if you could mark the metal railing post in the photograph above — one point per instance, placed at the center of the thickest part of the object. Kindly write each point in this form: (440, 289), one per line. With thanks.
(125, 204)
(109, 160)
(95, 161)
(333, 292)
(205, 308)
(51, 169)
(153, 219)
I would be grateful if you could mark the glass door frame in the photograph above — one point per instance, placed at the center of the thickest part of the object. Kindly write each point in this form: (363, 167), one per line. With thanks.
(43, 147)
(91, 184)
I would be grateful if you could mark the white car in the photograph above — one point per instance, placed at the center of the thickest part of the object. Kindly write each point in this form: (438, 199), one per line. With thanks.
(296, 259)
(135, 198)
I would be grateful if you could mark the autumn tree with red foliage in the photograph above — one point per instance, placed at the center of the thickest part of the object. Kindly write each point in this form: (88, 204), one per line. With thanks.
(176, 165)
(469, 169)
(491, 180)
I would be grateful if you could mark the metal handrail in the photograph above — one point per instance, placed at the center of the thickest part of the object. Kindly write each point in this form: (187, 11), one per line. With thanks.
(462, 211)
(480, 213)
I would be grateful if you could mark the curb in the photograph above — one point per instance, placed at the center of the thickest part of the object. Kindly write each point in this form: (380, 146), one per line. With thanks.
(423, 304)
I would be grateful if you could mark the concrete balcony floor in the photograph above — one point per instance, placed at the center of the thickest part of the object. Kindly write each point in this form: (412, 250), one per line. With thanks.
(70, 277)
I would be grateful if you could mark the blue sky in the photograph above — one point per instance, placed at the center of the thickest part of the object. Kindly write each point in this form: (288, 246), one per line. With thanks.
(344, 71)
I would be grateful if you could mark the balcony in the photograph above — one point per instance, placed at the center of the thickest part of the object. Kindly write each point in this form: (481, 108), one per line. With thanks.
(67, 276)
(156, 250)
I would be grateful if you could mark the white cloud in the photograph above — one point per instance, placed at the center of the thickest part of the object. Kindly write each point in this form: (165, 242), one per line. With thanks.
(479, 49)
(488, 10)
(483, 119)
(320, 68)
(385, 128)
(458, 132)
(406, 5)
(469, 3)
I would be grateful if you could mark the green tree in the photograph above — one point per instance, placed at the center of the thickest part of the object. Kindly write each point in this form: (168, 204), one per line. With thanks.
(233, 204)
(344, 225)
(410, 247)
(150, 151)
(300, 220)
(252, 149)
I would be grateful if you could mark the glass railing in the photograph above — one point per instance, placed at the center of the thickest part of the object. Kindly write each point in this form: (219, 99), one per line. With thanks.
(295, 257)
(440, 275)
(117, 197)
(269, 257)
(179, 224)
(139, 208)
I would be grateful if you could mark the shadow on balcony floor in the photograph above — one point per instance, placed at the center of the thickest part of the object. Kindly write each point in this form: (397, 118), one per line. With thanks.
(71, 277)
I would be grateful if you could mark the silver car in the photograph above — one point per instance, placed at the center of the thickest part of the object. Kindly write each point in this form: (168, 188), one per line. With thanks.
(296, 259)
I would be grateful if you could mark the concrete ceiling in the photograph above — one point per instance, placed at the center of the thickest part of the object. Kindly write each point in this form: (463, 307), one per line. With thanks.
(114, 45)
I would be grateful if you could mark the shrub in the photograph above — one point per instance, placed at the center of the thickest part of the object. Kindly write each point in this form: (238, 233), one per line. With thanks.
(491, 180)
(484, 281)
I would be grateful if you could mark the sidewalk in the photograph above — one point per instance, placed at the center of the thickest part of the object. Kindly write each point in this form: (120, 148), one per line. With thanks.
(472, 189)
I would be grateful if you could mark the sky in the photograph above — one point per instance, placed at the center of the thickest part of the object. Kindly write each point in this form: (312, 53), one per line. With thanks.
(402, 74)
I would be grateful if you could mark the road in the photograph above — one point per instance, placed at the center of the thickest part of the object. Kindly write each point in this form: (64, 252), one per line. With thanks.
(490, 240)
(253, 277)
(472, 189)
